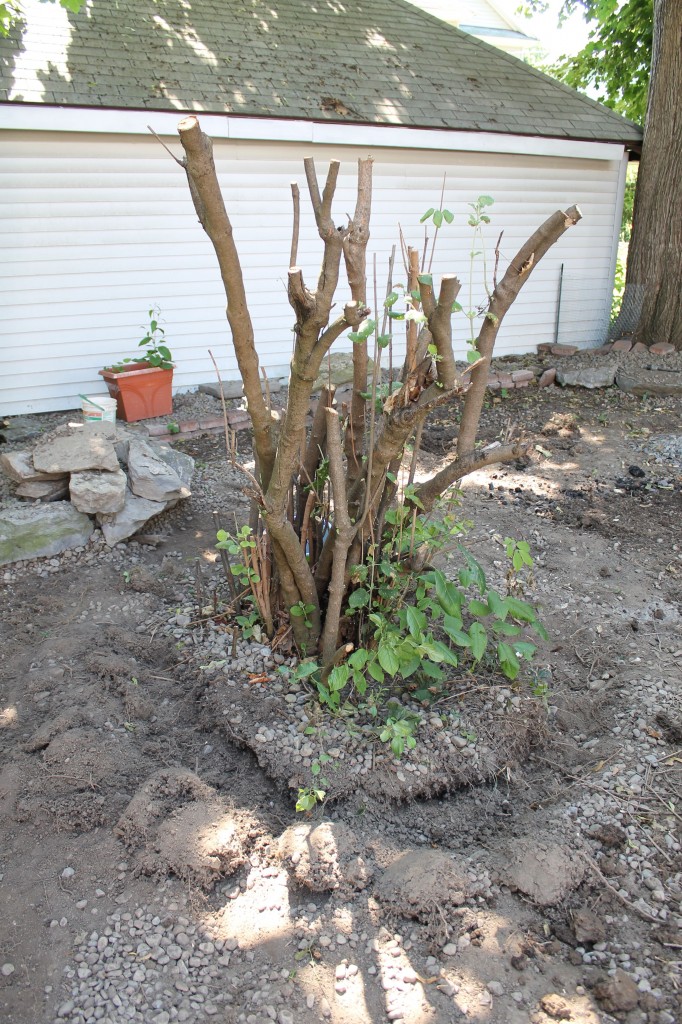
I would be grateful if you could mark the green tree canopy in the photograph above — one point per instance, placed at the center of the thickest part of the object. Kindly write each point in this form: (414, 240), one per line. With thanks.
(616, 60)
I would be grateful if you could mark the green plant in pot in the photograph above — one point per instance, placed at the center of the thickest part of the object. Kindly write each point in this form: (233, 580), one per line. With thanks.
(142, 385)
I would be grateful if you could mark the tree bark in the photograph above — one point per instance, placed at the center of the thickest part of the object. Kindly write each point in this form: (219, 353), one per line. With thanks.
(653, 282)
(210, 209)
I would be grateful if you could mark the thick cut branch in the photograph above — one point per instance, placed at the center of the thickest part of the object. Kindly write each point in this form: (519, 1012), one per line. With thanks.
(517, 273)
(331, 236)
(432, 489)
(440, 326)
(412, 327)
(296, 200)
(343, 539)
(355, 254)
(210, 208)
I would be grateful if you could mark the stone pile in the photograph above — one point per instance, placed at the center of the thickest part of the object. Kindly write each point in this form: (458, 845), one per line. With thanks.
(630, 365)
(80, 476)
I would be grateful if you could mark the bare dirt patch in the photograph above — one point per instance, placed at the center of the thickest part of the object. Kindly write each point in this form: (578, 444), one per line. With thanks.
(142, 835)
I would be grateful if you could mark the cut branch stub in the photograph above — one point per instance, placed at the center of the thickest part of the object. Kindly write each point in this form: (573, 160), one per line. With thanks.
(210, 208)
(516, 275)
(355, 255)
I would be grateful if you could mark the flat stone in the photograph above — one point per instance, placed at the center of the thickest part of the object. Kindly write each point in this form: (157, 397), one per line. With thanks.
(98, 491)
(662, 348)
(622, 345)
(135, 513)
(18, 466)
(564, 350)
(542, 869)
(151, 476)
(518, 376)
(639, 348)
(22, 428)
(235, 388)
(544, 348)
(547, 378)
(75, 447)
(340, 367)
(44, 490)
(600, 376)
(649, 382)
(39, 531)
(181, 463)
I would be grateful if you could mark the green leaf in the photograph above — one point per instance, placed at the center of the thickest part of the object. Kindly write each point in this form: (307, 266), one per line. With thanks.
(413, 665)
(449, 596)
(384, 340)
(416, 621)
(478, 608)
(475, 567)
(498, 607)
(506, 628)
(397, 745)
(306, 668)
(356, 337)
(540, 630)
(438, 218)
(391, 299)
(425, 279)
(448, 216)
(524, 649)
(305, 802)
(315, 768)
(521, 610)
(388, 659)
(453, 627)
(485, 201)
(456, 307)
(375, 671)
(479, 640)
(338, 677)
(432, 651)
(509, 663)
(359, 658)
(395, 316)
(359, 598)
(425, 216)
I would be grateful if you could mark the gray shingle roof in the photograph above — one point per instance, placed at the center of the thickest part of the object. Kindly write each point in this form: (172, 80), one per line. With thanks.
(367, 61)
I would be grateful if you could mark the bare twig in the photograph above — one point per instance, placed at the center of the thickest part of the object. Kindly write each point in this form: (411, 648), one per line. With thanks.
(615, 892)
(296, 198)
(169, 151)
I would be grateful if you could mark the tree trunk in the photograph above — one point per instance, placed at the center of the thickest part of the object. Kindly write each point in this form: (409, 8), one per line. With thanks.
(653, 286)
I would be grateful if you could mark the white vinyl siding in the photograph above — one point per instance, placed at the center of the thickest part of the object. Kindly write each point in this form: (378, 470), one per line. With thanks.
(95, 229)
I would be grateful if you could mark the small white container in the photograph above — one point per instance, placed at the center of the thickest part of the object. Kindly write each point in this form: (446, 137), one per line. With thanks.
(98, 407)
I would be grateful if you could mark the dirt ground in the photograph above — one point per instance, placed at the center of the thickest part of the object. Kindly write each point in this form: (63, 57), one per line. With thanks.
(131, 813)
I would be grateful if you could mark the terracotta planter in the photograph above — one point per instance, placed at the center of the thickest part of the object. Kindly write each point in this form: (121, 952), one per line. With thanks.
(142, 392)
